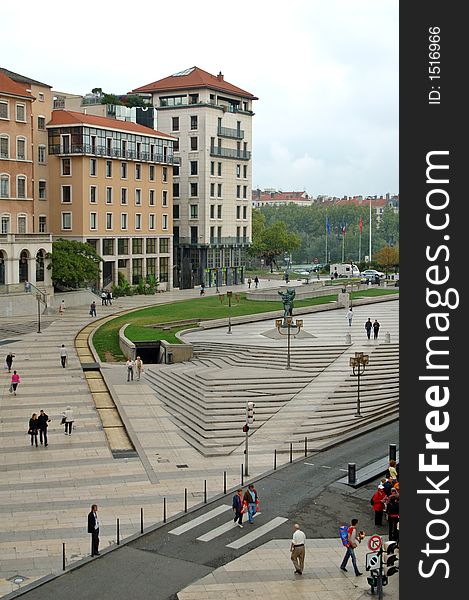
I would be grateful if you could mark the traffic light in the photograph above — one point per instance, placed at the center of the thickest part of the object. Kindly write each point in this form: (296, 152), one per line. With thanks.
(373, 580)
(245, 428)
(391, 564)
(250, 413)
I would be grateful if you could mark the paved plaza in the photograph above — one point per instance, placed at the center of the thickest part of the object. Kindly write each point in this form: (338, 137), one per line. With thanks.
(45, 493)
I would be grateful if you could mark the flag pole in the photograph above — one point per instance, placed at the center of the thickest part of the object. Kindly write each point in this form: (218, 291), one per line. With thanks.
(343, 245)
(360, 247)
(369, 259)
(326, 261)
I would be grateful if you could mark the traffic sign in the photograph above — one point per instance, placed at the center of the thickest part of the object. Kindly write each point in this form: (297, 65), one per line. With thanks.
(374, 543)
(371, 561)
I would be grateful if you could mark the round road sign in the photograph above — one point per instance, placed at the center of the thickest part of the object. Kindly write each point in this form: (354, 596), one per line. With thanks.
(374, 543)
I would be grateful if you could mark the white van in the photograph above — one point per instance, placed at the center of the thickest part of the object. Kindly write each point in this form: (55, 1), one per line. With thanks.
(344, 270)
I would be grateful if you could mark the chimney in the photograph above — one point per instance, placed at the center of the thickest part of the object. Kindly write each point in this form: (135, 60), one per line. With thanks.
(220, 76)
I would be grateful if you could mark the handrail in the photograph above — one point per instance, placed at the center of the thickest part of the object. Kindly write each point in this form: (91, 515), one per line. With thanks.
(40, 295)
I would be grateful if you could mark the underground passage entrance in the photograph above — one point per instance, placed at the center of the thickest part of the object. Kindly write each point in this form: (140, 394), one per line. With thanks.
(149, 352)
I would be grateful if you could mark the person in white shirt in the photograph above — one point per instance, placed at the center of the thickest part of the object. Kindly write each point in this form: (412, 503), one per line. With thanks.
(297, 549)
(350, 316)
(67, 418)
(130, 369)
(138, 367)
(63, 355)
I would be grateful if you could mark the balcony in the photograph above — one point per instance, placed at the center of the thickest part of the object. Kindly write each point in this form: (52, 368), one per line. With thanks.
(230, 153)
(111, 153)
(229, 241)
(228, 132)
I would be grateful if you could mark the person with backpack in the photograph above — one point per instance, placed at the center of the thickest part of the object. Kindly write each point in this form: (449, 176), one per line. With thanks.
(377, 502)
(352, 543)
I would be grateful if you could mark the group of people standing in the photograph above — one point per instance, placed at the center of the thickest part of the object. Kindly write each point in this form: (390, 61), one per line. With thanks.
(106, 298)
(385, 500)
(38, 425)
(369, 325)
(132, 365)
(256, 282)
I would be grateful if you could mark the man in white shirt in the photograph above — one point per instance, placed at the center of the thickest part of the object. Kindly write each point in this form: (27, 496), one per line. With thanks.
(63, 356)
(350, 316)
(130, 369)
(297, 549)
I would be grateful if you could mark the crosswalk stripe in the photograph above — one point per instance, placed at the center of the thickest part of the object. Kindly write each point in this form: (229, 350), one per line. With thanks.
(212, 534)
(258, 532)
(198, 520)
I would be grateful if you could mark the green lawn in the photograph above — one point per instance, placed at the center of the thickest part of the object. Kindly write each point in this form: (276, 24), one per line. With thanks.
(106, 340)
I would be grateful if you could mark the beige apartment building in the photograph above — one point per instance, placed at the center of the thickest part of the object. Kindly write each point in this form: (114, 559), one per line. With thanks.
(25, 239)
(212, 121)
(110, 184)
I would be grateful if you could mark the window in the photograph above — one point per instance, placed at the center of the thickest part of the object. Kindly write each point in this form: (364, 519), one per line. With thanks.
(4, 110)
(151, 266)
(93, 220)
(137, 246)
(66, 220)
(138, 171)
(42, 190)
(151, 221)
(164, 268)
(194, 167)
(151, 172)
(138, 221)
(93, 194)
(212, 211)
(219, 190)
(122, 246)
(93, 167)
(41, 154)
(4, 186)
(66, 166)
(41, 97)
(151, 197)
(137, 266)
(175, 190)
(123, 195)
(164, 245)
(212, 190)
(151, 245)
(212, 167)
(245, 191)
(165, 174)
(109, 195)
(41, 123)
(21, 186)
(108, 246)
(109, 168)
(219, 169)
(138, 148)
(66, 194)
(219, 211)
(175, 124)
(42, 224)
(238, 191)
(93, 143)
(108, 220)
(193, 98)
(109, 146)
(245, 233)
(21, 113)
(123, 170)
(238, 170)
(21, 149)
(212, 237)
(176, 145)
(194, 143)
(138, 197)
(65, 141)
(4, 146)
(5, 224)
(245, 171)
(238, 212)
(194, 235)
(194, 211)
(245, 212)
(164, 199)
(152, 151)
(194, 122)
(165, 222)
(175, 211)
(124, 148)
(194, 189)
(123, 223)
(21, 224)
(175, 170)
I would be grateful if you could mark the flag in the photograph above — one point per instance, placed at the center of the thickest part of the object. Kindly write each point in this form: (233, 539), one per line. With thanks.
(361, 225)
(328, 226)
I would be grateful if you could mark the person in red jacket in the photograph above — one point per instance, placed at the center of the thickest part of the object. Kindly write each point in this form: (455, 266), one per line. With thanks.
(378, 504)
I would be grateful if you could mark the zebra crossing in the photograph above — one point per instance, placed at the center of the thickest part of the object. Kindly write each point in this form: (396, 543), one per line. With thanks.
(219, 530)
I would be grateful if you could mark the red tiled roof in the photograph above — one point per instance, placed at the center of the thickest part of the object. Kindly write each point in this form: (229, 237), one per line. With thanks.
(8, 86)
(195, 78)
(68, 117)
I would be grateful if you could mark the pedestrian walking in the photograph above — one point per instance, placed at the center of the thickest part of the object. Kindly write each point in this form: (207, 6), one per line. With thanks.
(352, 543)
(43, 423)
(93, 528)
(377, 502)
(32, 429)
(67, 420)
(130, 369)
(138, 367)
(297, 549)
(368, 327)
(249, 282)
(350, 316)
(256, 281)
(15, 380)
(238, 507)
(63, 356)
(392, 470)
(202, 288)
(376, 327)
(9, 361)
(62, 307)
(251, 502)
(109, 298)
(103, 298)
(93, 309)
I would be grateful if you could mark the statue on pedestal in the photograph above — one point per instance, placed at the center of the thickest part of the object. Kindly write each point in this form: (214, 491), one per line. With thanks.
(287, 298)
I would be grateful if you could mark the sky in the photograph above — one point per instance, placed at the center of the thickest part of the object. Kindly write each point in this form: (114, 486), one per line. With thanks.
(325, 72)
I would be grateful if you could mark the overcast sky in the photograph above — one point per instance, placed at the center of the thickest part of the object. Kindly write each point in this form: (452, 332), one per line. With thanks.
(325, 72)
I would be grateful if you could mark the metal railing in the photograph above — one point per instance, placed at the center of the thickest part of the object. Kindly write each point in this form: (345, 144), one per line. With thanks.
(237, 134)
(111, 153)
(230, 153)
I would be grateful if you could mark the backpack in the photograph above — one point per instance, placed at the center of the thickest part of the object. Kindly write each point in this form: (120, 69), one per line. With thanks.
(371, 500)
(343, 534)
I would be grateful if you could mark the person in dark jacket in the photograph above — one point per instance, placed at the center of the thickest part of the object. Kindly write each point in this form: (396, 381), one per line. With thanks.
(387, 485)
(376, 327)
(368, 327)
(251, 500)
(93, 528)
(33, 427)
(238, 507)
(392, 510)
(378, 504)
(42, 422)
(9, 360)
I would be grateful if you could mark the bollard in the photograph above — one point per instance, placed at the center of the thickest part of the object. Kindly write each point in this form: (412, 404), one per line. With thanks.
(205, 491)
(387, 338)
(392, 451)
(224, 482)
(306, 447)
(63, 556)
(352, 473)
(141, 520)
(242, 476)
(118, 532)
(291, 451)
(164, 510)
(348, 339)
(275, 460)
(185, 500)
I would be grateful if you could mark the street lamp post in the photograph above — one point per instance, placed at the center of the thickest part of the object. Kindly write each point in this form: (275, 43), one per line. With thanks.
(288, 323)
(229, 295)
(358, 364)
(249, 421)
(38, 298)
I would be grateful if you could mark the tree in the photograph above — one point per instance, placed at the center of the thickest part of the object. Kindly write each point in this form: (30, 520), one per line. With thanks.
(270, 242)
(388, 257)
(73, 263)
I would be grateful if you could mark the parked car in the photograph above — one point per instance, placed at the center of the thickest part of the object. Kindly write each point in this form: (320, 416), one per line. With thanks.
(372, 272)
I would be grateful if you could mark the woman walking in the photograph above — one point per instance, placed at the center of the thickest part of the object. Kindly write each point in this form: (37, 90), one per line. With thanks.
(33, 427)
(67, 420)
(15, 380)
(9, 360)
(138, 367)
(62, 307)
